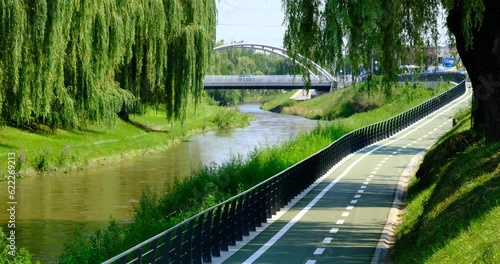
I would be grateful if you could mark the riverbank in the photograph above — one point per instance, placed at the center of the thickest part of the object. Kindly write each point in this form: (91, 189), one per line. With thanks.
(458, 182)
(52, 206)
(44, 151)
(355, 99)
(215, 183)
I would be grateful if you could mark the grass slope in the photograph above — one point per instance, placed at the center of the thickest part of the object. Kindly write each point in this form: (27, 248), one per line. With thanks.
(276, 102)
(360, 97)
(453, 205)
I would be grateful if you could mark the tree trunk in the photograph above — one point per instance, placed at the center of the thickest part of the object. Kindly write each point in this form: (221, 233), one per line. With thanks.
(482, 61)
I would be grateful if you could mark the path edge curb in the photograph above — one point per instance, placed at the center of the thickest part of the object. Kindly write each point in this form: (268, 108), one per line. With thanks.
(395, 218)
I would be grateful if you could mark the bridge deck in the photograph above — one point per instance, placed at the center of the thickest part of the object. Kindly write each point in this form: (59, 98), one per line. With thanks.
(341, 217)
(264, 82)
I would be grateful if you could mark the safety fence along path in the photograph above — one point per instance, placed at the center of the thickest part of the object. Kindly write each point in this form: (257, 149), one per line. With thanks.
(204, 236)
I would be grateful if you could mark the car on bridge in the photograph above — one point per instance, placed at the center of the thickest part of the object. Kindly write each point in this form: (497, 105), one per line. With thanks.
(244, 77)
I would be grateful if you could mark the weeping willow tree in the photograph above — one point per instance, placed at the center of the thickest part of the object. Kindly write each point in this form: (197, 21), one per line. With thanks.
(335, 32)
(68, 63)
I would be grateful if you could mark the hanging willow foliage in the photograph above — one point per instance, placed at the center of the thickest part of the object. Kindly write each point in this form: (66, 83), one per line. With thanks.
(68, 63)
(338, 32)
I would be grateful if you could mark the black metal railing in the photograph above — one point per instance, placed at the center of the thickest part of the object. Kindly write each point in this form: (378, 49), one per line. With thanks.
(203, 236)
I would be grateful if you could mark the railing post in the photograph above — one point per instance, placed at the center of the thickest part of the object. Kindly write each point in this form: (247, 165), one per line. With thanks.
(165, 248)
(138, 256)
(187, 238)
(154, 248)
(177, 250)
(206, 248)
(215, 236)
(231, 223)
(269, 199)
(251, 210)
(245, 223)
(224, 222)
(238, 225)
(196, 256)
(261, 213)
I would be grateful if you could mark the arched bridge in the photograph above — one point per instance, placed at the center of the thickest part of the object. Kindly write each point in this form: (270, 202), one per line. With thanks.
(321, 79)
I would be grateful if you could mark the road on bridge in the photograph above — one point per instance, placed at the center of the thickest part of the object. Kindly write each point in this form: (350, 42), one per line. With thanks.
(340, 218)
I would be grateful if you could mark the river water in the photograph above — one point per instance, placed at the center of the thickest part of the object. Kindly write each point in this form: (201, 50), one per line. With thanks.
(51, 207)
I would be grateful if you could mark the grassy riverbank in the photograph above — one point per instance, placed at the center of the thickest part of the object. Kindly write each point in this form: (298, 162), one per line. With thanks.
(215, 183)
(46, 151)
(361, 97)
(453, 205)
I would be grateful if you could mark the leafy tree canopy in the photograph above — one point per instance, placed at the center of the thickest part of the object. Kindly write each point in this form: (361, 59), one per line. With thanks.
(337, 31)
(68, 63)
(334, 32)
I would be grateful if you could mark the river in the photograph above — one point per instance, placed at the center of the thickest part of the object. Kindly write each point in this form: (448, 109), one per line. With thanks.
(51, 207)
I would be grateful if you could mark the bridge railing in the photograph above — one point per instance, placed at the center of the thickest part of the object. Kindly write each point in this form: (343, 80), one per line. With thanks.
(203, 236)
(261, 78)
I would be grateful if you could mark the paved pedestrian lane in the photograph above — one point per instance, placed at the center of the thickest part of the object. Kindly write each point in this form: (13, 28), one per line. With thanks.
(341, 217)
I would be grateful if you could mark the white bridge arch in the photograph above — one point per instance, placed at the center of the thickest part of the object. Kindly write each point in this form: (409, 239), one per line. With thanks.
(282, 53)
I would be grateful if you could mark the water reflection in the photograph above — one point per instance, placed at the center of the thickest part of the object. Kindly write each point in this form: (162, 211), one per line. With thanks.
(51, 207)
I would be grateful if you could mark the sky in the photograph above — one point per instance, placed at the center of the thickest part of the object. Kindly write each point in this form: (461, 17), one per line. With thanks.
(253, 21)
(259, 22)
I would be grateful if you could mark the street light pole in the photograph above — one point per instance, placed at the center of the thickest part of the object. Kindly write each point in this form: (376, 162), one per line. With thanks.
(372, 61)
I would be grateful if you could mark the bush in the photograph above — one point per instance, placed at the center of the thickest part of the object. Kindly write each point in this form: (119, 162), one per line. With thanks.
(22, 256)
(42, 161)
(228, 117)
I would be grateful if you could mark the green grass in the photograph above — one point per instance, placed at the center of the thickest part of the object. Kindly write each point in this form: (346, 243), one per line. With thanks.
(49, 151)
(360, 97)
(215, 183)
(275, 102)
(453, 205)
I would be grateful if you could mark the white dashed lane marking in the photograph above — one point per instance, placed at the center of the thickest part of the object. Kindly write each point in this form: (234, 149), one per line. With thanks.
(334, 230)
(319, 251)
(327, 240)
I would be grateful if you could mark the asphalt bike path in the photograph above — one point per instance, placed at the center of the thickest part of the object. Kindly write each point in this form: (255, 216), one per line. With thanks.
(340, 218)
